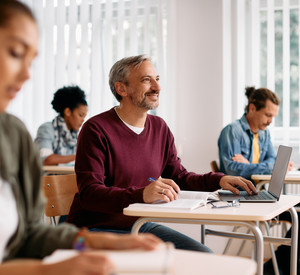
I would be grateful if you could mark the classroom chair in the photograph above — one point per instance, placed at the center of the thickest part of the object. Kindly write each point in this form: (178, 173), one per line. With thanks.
(59, 191)
(214, 166)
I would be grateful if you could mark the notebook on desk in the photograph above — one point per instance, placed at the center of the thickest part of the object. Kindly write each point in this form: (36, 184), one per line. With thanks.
(275, 185)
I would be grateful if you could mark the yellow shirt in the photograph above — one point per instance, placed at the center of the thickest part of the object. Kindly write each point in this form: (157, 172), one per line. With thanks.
(256, 152)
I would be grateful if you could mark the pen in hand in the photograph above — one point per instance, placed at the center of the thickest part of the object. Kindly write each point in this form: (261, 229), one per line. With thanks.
(151, 179)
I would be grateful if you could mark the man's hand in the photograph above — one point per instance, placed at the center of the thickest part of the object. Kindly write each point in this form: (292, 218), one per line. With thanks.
(161, 189)
(230, 182)
(240, 158)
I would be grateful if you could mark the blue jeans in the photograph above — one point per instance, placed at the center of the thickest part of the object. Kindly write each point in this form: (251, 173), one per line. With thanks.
(165, 233)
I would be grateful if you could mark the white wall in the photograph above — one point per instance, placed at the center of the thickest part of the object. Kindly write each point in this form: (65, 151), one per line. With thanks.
(198, 91)
(198, 82)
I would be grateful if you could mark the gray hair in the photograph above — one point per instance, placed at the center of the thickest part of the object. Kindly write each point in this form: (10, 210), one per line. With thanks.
(120, 70)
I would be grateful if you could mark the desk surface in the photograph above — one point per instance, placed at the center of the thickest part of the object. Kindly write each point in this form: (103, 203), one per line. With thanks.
(291, 177)
(246, 211)
(58, 169)
(195, 263)
(183, 262)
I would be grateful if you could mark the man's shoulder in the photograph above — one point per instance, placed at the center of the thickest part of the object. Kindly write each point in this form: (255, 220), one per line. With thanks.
(157, 121)
(233, 126)
(107, 122)
(104, 117)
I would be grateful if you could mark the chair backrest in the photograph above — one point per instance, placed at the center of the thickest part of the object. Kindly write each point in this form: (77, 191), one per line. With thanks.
(59, 191)
(214, 166)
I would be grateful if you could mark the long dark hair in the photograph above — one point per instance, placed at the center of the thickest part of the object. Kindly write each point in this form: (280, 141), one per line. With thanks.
(11, 8)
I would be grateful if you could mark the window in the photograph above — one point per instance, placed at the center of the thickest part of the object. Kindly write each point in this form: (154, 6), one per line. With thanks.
(279, 40)
(261, 48)
(80, 41)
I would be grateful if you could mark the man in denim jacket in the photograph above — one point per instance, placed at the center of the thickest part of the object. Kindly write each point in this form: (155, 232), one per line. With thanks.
(237, 152)
(245, 149)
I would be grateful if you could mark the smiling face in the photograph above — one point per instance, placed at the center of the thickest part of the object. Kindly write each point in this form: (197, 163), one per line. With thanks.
(75, 118)
(261, 119)
(142, 89)
(18, 48)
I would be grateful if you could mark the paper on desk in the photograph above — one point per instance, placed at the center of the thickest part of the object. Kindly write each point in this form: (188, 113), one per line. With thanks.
(199, 195)
(187, 201)
(293, 173)
(158, 261)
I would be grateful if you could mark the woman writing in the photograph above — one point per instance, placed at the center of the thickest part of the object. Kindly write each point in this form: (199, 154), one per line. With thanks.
(57, 140)
(24, 239)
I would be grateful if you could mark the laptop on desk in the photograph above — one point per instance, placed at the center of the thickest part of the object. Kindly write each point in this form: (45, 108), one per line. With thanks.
(275, 185)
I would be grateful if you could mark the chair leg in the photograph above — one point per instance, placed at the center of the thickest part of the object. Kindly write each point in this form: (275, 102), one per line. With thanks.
(53, 221)
(242, 245)
(202, 237)
(235, 228)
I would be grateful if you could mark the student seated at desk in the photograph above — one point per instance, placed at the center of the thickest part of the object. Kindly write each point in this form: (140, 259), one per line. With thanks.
(245, 148)
(24, 238)
(57, 140)
(126, 147)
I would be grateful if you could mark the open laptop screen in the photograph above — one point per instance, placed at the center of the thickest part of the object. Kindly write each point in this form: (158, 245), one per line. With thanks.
(280, 169)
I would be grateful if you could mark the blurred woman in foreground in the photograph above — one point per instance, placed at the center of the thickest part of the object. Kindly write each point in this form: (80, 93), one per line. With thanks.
(23, 234)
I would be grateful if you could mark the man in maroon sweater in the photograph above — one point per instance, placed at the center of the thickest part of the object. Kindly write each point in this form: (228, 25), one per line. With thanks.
(120, 149)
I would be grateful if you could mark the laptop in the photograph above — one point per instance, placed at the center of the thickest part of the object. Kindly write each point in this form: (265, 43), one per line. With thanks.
(275, 185)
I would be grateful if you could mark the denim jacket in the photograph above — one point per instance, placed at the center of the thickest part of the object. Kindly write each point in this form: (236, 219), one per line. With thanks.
(236, 138)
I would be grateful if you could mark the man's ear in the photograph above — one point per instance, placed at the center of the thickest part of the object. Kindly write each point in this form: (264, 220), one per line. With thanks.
(121, 88)
(252, 108)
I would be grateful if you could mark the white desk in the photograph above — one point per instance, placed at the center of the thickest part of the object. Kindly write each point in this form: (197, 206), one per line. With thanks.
(57, 170)
(195, 263)
(182, 262)
(290, 178)
(247, 215)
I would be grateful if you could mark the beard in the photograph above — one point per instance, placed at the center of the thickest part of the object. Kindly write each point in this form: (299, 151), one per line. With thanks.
(144, 102)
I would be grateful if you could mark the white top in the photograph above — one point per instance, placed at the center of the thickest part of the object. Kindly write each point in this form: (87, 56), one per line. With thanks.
(8, 214)
(137, 130)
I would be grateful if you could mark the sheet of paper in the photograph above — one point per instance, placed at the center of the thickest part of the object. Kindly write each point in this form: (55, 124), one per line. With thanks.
(198, 195)
(127, 262)
(176, 205)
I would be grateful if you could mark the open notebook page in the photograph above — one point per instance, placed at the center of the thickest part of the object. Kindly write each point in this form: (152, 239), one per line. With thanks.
(158, 261)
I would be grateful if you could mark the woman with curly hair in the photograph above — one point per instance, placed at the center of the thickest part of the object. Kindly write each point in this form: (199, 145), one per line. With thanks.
(57, 140)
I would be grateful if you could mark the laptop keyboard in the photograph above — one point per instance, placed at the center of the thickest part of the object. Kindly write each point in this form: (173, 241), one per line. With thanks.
(262, 196)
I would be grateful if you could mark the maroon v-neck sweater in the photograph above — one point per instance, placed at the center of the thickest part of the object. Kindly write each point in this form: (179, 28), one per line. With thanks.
(113, 165)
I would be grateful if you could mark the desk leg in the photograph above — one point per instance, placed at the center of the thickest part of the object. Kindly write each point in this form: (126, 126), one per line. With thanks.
(138, 224)
(259, 242)
(294, 241)
(259, 246)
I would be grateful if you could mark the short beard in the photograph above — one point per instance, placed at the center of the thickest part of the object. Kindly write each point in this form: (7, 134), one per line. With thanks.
(143, 104)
